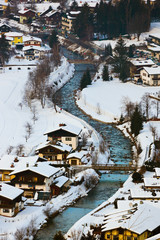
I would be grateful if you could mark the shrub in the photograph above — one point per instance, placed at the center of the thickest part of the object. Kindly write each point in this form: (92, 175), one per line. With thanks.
(137, 177)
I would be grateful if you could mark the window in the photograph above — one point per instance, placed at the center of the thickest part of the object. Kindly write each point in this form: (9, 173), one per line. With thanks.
(5, 210)
(68, 138)
(108, 236)
(115, 237)
(128, 237)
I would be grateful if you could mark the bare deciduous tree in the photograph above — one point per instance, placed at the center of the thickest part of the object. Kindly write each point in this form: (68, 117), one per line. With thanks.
(9, 149)
(146, 104)
(35, 114)
(19, 149)
(29, 130)
(128, 107)
(153, 131)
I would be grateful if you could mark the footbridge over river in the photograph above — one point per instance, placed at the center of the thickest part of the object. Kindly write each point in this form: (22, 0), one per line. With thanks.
(99, 167)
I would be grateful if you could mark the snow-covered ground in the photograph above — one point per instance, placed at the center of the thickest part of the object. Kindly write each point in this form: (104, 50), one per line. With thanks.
(13, 117)
(108, 104)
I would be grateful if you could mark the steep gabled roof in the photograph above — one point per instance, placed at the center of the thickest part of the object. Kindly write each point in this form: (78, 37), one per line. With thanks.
(43, 169)
(9, 192)
(68, 128)
(59, 145)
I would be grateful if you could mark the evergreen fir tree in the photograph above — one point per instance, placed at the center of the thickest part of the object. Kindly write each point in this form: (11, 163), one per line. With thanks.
(120, 60)
(85, 80)
(83, 25)
(4, 50)
(105, 74)
(88, 77)
(108, 50)
(136, 122)
(130, 51)
(53, 39)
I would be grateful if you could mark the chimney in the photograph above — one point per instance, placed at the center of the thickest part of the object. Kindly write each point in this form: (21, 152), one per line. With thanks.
(12, 165)
(27, 164)
(16, 159)
(62, 125)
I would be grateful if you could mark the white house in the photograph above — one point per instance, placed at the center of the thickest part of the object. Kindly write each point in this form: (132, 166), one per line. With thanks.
(151, 75)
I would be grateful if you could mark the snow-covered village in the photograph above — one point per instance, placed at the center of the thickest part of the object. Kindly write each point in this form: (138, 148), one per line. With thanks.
(79, 119)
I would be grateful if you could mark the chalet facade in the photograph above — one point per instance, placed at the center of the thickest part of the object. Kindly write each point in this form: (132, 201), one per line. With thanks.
(151, 75)
(31, 41)
(60, 185)
(54, 152)
(65, 134)
(15, 38)
(53, 18)
(4, 28)
(33, 52)
(27, 15)
(36, 179)
(10, 200)
(10, 163)
(75, 158)
(137, 65)
(68, 21)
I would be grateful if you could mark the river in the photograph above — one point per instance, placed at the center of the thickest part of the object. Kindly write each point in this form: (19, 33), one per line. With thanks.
(120, 150)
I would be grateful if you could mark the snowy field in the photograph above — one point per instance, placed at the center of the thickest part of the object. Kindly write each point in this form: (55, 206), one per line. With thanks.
(13, 118)
(105, 100)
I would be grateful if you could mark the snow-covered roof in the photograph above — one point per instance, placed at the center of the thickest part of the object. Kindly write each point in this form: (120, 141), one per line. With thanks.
(60, 181)
(59, 145)
(154, 48)
(157, 172)
(78, 155)
(152, 70)
(156, 35)
(41, 168)
(139, 193)
(75, 12)
(142, 62)
(10, 160)
(151, 182)
(33, 47)
(49, 14)
(13, 34)
(23, 11)
(138, 221)
(69, 128)
(30, 38)
(2, 24)
(80, 3)
(9, 191)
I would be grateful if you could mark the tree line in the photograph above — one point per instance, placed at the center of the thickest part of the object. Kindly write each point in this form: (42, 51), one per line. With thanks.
(126, 16)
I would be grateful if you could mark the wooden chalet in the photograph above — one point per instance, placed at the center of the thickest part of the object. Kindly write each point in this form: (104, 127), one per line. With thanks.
(36, 179)
(54, 152)
(137, 64)
(31, 41)
(4, 28)
(10, 200)
(53, 18)
(27, 15)
(9, 163)
(66, 134)
(75, 158)
(60, 185)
